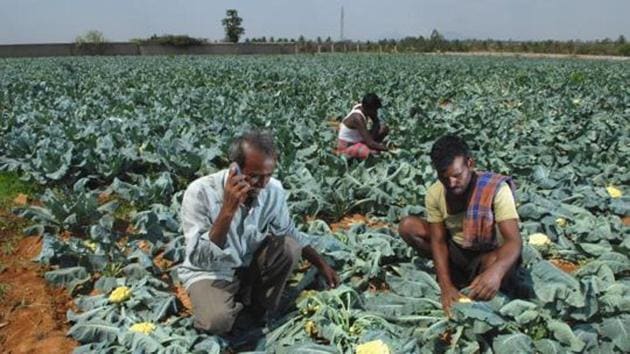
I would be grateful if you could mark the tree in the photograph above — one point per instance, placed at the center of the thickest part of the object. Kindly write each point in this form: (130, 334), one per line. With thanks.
(93, 37)
(621, 39)
(232, 24)
(91, 43)
(436, 39)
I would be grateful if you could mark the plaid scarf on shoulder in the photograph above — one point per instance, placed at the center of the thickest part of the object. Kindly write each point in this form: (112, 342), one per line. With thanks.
(478, 228)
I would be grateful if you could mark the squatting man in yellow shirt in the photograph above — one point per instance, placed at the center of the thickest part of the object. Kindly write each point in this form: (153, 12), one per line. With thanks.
(471, 228)
(241, 244)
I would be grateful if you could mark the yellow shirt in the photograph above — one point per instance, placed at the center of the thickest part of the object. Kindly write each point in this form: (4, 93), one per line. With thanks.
(503, 205)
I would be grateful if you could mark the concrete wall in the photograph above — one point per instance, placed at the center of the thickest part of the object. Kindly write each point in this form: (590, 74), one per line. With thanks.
(35, 50)
(70, 49)
(219, 48)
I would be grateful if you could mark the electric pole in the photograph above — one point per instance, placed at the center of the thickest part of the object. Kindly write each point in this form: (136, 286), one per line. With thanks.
(341, 25)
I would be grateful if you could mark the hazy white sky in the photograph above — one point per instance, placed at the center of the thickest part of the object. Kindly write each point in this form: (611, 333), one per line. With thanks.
(32, 21)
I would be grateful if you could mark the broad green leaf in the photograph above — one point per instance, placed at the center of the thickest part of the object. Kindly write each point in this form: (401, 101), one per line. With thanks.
(562, 332)
(553, 285)
(68, 277)
(548, 346)
(94, 331)
(618, 330)
(512, 343)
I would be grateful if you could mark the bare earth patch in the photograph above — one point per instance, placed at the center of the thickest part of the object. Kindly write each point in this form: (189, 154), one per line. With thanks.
(565, 266)
(32, 313)
(347, 221)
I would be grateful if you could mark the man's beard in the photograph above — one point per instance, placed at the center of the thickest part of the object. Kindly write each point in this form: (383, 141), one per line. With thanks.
(457, 191)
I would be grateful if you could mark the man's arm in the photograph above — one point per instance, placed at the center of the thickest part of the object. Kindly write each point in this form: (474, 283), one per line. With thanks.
(359, 124)
(283, 225)
(439, 248)
(508, 253)
(234, 195)
(376, 127)
(218, 232)
(499, 262)
(311, 255)
(197, 226)
(206, 236)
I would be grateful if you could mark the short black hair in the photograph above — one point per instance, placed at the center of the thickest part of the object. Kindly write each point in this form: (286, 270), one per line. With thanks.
(260, 140)
(371, 100)
(446, 149)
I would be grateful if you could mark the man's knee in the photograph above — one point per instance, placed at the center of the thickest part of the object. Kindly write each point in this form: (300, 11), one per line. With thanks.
(412, 226)
(217, 321)
(405, 227)
(213, 305)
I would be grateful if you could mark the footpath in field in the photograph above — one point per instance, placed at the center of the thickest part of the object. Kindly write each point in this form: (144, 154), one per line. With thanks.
(32, 312)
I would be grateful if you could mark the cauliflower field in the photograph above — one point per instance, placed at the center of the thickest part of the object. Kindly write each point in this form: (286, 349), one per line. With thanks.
(115, 141)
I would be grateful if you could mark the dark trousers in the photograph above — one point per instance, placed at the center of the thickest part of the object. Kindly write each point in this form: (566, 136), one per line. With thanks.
(217, 303)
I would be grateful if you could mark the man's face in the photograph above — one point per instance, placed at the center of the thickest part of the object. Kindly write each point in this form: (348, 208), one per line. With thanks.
(457, 176)
(257, 170)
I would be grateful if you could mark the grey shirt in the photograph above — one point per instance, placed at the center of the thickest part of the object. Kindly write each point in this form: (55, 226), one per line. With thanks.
(268, 216)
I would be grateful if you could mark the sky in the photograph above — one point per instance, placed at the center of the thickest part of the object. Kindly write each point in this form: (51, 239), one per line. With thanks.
(59, 21)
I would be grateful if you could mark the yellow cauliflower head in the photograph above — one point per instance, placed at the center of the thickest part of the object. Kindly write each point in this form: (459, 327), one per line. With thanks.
(143, 327)
(561, 222)
(311, 328)
(539, 239)
(614, 192)
(120, 294)
(464, 299)
(373, 347)
(90, 244)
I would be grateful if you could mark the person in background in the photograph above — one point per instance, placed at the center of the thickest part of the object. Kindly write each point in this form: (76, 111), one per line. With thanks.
(355, 140)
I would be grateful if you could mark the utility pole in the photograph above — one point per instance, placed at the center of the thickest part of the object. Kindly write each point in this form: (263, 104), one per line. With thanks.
(341, 25)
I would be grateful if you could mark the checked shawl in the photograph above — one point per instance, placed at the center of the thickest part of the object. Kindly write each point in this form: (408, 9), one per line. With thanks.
(479, 227)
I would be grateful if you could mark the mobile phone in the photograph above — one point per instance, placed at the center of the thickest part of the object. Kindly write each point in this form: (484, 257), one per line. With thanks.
(237, 168)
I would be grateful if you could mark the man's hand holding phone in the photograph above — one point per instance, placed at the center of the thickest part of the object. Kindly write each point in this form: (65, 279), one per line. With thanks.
(236, 189)
(235, 193)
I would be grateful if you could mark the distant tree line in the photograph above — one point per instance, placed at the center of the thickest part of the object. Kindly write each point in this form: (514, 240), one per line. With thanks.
(436, 42)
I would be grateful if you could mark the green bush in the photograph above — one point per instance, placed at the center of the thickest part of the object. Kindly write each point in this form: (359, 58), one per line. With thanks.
(624, 50)
(91, 43)
(174, 40)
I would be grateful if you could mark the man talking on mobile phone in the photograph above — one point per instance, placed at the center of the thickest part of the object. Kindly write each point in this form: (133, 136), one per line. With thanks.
(241, 244)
